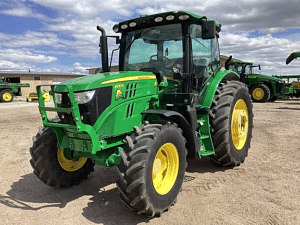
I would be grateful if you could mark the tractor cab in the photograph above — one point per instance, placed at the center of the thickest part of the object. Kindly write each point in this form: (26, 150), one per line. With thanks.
(240, 67)
(180, 46)
(160, 49)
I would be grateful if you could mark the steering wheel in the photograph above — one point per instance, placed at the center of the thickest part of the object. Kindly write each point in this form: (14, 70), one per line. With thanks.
(165, 60)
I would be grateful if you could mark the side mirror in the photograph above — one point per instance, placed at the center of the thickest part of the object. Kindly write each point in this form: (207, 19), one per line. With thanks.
(259, 67)
(209, 29)
(227, 62)
(118, 40)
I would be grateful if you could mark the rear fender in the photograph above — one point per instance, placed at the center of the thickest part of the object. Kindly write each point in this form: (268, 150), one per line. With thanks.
(221, 76)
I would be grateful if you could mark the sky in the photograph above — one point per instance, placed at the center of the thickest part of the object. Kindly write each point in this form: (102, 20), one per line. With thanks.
(60, 36)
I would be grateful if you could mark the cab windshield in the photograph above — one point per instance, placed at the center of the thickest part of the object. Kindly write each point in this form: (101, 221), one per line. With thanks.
(155, 47)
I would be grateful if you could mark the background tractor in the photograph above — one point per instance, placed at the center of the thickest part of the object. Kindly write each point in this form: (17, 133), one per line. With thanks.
(295, 84)
(262, 87)
(9, 90)
(170, 101)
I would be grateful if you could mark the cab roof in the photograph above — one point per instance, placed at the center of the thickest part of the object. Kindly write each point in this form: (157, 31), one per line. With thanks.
(240, 62)
(170, 17)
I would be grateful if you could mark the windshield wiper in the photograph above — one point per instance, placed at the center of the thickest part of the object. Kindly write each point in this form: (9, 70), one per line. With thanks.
(202, 44)
(137, 35)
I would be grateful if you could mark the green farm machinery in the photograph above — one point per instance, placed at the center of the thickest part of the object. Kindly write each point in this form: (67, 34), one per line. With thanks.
(8, 90)
(169, 101)
(292, 56)
(262, 87)
(296, 83)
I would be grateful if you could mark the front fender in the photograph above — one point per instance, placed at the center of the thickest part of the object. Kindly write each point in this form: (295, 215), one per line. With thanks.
(192, 142)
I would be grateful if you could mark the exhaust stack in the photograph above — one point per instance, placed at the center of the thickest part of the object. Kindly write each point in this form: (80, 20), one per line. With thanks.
(103, 49)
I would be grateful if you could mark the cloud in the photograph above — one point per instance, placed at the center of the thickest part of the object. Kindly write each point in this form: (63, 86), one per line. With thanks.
(33, 38)
(151, 10)
(78, 68)
(21, 10)
(84, 33)
(269, 51)
(17, 55)
(91, 8)
(12, 66)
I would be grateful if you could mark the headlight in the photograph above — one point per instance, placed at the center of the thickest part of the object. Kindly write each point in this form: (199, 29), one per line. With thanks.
(84, 97)
(58, 97)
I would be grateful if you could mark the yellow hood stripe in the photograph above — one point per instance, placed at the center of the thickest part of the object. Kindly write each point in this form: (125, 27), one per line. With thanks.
(150, 77)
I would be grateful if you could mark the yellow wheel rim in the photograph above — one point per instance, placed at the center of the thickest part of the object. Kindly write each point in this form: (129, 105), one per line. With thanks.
(239, 124)
(69, 165)
(7, 96)
(258, 93)
(165, 168)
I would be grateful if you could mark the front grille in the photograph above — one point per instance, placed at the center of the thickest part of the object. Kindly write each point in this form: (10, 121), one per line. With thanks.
(89, 112)
(279, 86)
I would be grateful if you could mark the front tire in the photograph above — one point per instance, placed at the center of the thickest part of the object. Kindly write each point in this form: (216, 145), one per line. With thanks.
(50, 164)
(231, 121)
(6, 96)
(152, 168)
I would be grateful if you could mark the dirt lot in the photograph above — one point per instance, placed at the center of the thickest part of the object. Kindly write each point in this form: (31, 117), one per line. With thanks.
(263, 190)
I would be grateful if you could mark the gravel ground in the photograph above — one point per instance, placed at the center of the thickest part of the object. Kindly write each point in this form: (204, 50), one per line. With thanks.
(263, 190)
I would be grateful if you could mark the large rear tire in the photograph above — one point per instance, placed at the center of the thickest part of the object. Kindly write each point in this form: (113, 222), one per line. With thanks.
(51, 166)
(231, 119)
(152, 168)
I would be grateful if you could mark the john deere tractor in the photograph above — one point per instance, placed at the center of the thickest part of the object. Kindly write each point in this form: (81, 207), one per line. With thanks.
(169, 101)
(262, 87)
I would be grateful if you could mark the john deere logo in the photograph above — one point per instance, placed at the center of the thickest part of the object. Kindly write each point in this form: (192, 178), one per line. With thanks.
(119, 95)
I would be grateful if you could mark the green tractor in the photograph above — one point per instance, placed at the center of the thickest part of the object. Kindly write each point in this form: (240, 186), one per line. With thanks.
(262, 88)
(169, 101)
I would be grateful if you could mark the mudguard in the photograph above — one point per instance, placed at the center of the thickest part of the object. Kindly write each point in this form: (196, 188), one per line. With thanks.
(213, 84)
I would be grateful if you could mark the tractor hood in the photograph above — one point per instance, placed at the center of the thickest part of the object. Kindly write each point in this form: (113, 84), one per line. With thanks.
(265, 77)
(94, 81)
